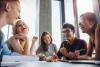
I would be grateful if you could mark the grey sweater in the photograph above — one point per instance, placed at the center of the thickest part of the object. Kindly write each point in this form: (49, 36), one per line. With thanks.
(51, 49)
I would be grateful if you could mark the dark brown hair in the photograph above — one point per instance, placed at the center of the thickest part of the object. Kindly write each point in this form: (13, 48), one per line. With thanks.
(67, 25)
(43, 44)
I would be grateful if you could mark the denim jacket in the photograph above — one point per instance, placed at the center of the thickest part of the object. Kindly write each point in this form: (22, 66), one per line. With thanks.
(4, 50)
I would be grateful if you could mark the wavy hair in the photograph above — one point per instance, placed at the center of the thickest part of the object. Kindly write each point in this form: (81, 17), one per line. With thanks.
(43, 44)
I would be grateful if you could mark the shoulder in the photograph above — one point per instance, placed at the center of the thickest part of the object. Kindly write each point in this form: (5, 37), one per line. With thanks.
(40, 48)
(80, 41)
(64, 43)
(53, 45)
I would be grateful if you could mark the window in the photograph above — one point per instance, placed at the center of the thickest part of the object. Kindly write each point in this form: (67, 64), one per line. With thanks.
(56, 22)
(69, 14)
(28, 14)
(82, 7)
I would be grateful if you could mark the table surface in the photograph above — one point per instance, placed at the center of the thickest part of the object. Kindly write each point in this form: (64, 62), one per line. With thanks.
(48, 64)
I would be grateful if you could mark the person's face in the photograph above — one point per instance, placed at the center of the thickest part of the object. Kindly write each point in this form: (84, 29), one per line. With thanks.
(47, 39)
(22, 28)
(85, 25)
(13, 13)
(68, 33)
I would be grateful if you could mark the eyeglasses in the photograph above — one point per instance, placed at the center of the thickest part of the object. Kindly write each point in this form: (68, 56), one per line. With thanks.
(66, 31)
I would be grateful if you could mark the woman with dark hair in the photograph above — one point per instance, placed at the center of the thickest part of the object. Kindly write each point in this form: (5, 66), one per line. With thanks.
(46, 48)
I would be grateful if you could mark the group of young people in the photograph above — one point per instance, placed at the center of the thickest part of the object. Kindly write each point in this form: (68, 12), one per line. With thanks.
(71, 48)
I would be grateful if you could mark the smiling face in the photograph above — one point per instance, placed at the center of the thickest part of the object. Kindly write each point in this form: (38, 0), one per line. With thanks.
(47, 39)
(88, 22)
(68, 33)
(85, 24)
(21, 27)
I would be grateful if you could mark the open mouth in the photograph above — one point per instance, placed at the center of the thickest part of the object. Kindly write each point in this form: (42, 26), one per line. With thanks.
(24, 28)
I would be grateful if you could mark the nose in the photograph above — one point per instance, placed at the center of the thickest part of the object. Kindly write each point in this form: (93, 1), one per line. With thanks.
(19, 17)
(24, 26)
(80, 23)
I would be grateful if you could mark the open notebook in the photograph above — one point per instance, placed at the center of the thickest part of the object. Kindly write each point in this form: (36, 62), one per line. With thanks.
(83, 61)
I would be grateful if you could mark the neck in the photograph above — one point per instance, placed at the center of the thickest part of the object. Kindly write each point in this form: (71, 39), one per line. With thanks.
(71, 40)
(2, 21)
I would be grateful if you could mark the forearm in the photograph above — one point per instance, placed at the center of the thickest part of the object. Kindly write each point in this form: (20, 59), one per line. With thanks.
(26, 48)
(15, 45)
(84, 57)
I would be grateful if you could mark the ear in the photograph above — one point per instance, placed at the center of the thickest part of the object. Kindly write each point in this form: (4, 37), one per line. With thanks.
(8, 7)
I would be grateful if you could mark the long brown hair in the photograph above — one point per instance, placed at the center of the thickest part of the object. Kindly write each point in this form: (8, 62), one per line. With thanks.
(43, 44)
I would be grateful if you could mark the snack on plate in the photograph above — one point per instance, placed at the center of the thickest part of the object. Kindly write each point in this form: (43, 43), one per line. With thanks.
(51, 59)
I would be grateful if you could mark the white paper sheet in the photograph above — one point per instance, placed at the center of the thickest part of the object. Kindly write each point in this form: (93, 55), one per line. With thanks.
(19, 58)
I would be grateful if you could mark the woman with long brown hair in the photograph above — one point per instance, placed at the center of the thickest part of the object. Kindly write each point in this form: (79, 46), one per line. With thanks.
(46, 48)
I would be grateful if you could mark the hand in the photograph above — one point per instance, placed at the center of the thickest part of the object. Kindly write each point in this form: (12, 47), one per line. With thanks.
(77, 53)
(42, 57)
(34, 39)
(21, 37)
(73, 55)
(64, 51)
(54, 56)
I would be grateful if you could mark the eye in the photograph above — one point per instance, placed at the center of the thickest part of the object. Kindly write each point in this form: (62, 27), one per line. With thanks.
(19, 25)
